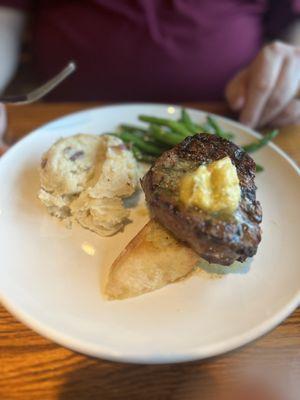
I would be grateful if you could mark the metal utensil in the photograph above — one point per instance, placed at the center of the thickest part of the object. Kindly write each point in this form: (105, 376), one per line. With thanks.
(41, 91)
(3, 122)
(31, 97)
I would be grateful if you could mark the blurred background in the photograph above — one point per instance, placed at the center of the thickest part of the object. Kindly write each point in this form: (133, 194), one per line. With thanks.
(138, 50)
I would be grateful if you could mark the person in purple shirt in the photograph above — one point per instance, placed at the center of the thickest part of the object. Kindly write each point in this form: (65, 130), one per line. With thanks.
(164, 51)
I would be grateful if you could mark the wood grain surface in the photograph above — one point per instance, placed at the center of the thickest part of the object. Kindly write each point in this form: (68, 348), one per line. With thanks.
(32, 367)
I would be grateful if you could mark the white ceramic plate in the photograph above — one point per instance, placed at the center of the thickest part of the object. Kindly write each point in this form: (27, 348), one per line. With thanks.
(50, 280)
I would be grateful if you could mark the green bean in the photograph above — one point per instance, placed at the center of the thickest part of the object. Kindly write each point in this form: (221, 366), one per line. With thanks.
(259, 168)
(146, 135)
(149, 148)
(165, 137)
(213, 123)
(133, 129)
(162, 134)
(116, 134)
(140, 156)
(207, 128)
(218, 130)
(143, 133)
(229, 135)
(252, 147)
(173, 125)
(188, 123)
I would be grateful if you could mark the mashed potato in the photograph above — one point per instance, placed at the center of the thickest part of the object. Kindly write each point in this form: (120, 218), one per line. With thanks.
(85, 177)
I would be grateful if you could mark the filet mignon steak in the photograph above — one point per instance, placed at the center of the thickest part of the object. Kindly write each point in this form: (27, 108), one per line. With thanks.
(215, 238)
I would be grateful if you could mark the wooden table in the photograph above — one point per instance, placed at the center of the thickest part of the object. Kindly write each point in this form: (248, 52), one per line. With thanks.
(32, 367)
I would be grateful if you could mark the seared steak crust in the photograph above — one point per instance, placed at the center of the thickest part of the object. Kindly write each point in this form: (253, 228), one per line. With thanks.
(218, 239)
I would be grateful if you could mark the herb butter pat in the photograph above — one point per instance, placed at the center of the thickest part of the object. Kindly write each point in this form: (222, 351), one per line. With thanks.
(212, 187)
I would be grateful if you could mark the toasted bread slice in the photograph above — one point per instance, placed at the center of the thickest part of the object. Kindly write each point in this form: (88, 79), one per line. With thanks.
(153, 259)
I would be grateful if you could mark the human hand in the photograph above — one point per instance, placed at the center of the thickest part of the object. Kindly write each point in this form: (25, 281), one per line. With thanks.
(265, 93)
(2, 128)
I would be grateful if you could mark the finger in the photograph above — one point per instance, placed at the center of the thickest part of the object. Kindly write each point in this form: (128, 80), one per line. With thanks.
(289, 116)
(285, 90)
(235, 91)
(262, 77)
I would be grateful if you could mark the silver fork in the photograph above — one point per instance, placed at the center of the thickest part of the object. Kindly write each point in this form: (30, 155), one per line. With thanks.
(31, 97)
(41, 91)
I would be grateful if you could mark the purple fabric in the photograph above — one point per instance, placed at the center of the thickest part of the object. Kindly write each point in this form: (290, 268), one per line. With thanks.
(145, 50)
(280, 14)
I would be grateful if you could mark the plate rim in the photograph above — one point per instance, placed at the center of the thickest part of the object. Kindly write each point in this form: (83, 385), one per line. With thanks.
(107, 353)
(239, 125)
